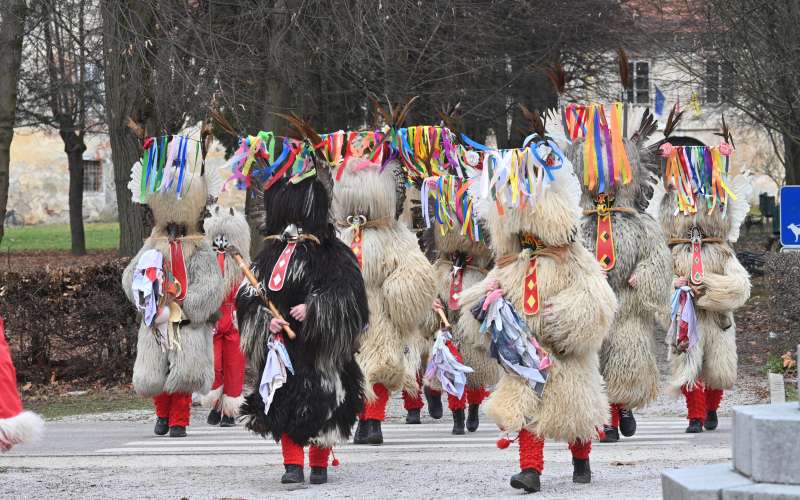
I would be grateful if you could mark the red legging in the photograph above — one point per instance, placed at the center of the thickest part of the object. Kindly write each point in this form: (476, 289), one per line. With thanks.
(229, 362)
(174, 407)
(293, 453)
(615, 408)
(471, 396)
(376, 409)
(531, 451)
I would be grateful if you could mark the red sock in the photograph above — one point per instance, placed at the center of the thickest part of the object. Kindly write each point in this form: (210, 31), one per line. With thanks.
(581, 449)
(477, 395)
(376, 410)
(615, 408)
(180, 408)
(695, 402)
(318, 457)
(457, 404)
(412, 401)
(162, 405)
(292, 452)
(713, 399)
(531, 451)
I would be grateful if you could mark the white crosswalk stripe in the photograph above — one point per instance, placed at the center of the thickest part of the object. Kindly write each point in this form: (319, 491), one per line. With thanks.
(204, 440)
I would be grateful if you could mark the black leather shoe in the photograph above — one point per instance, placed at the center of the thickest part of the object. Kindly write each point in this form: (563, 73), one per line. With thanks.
(214, 417)
(472, 418)
(527, 479)
(360, 436)
(695, 426)
(177, 431)
(611, 434)
(293, 474)
(374, 434)
(227, 421)
(581, 472)
(458, 422)
(319, 475)
(627, 423)
(434, 404)
(413, 417)
(162, 426)
(711, 421)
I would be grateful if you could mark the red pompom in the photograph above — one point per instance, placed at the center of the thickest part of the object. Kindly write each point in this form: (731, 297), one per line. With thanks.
(335, 462)
(503, 443)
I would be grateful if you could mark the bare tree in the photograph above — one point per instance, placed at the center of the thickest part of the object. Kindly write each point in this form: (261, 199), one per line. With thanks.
(12, 22)
(60, 87)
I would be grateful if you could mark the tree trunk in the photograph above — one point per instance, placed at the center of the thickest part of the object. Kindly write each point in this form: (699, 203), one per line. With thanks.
(74, 146)
(792, 158)
(12, 24)
(122, 96)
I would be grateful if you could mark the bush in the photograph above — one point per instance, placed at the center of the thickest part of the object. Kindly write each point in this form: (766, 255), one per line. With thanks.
(69, 324)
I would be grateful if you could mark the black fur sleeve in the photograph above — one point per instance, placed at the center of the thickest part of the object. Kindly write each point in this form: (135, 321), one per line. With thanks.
(337, 311)
(253, 318)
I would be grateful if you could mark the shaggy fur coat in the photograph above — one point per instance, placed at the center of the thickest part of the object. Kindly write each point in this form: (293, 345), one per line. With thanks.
(573, 405)
(190, 369)
(725, 287)
(475, 355)
(319, 402)
(628, 359)
(398, 278)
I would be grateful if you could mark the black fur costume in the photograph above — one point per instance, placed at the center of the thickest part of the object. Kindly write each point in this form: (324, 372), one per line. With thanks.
(319, 403)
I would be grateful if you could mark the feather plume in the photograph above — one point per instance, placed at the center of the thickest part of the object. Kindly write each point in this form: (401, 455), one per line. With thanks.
(647, 126)
(535, 122)
(301, 129)
(726, 133)
(624, 72)
(223, 123)
(137, 129)
(558, 77)
(673, 120)
(400, 117)
(554, 128)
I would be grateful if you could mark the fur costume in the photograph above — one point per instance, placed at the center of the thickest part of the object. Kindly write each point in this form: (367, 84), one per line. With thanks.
(223, 228)
(710, 363)
(639, 273)
(177, 371)
(319, 401)
(576, 308)
(398, 278)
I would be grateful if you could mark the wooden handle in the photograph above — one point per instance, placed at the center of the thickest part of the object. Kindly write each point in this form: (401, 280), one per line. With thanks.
(443, 318)
(254, 282)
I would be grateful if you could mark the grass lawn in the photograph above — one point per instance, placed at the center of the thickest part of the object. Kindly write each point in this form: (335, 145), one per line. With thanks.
(53, 237)
(91, 402)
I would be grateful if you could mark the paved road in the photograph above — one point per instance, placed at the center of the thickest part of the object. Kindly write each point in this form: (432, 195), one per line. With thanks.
(124, 460)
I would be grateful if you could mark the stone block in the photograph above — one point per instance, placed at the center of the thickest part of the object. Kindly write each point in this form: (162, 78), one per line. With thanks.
(766, 442)
(763, 491)
(705, 482)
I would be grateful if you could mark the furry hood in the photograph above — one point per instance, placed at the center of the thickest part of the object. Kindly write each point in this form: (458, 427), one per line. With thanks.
(305, 204)
(445, 242)
(225, 226)
(553, 217)
(366, 190)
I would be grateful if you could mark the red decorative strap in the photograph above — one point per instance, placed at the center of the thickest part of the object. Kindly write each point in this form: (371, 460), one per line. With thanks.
(178, 264)
(355, 246)
(278, 276)
(456, 284)
(697, 262)
(221, 262)
(530, 293)
(604, 249)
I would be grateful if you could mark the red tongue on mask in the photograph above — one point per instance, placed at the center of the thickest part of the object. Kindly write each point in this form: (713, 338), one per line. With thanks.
(178, 265)
(355, 246)
(456, 284)
(697, 262)
(278, 276)
(530, 293)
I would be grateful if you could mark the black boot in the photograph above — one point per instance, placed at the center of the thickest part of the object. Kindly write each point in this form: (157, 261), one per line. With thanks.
(627, 423)
(214, 417)
(434, 404)
(458, 422)
(472, 418)
(227, 421)
(711, 421)
(162, 426)
(360, 436)
(413, 417)
(177, 431)
(374, 434)
(611, 434)
(581, 472)
(527, 479)
(319, 475)
(293, 474)
(695, 426)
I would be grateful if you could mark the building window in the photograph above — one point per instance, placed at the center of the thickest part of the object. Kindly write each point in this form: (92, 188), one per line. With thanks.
(640, 77)
(719, 81)
(92, 176)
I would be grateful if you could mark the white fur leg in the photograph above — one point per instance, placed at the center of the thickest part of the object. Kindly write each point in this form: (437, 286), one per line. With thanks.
(27, 427)
(231, 405)
(211, 399)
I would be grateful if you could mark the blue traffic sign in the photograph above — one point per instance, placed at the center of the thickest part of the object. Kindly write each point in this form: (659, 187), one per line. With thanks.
(790, 216)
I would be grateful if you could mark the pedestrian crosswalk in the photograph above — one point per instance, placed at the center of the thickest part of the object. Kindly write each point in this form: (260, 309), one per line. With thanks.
(203, 440)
